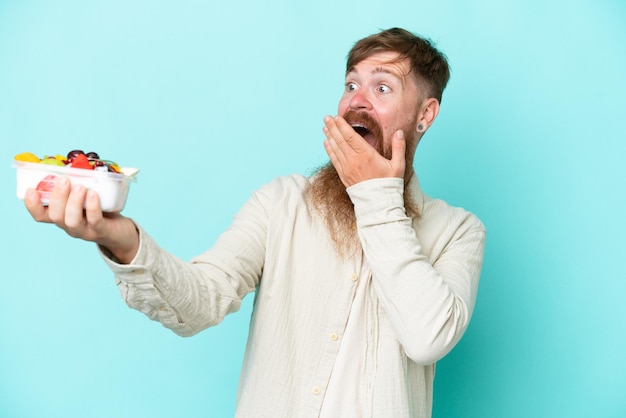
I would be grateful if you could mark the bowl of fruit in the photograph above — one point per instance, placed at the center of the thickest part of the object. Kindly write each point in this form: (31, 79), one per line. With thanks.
(105, 177)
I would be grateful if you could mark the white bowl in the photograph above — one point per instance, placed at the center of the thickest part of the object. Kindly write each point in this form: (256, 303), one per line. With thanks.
(112, 188)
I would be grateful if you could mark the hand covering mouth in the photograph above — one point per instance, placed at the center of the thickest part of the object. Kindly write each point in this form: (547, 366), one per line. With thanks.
(366, 126)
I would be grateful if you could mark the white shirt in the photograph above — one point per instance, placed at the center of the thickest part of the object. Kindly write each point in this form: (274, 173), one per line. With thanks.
(425, 274)
(344, 395)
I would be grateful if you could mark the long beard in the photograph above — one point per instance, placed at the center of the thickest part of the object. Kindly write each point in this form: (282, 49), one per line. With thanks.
(328, 197)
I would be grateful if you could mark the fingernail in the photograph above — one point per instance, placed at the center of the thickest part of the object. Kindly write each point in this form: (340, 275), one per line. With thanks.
(62, 181)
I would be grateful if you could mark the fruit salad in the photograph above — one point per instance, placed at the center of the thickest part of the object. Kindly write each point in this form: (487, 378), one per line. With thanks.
(106, 177)
(77, 159)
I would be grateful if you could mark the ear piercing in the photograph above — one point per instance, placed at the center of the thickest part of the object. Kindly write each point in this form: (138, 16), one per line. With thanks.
(421, 127)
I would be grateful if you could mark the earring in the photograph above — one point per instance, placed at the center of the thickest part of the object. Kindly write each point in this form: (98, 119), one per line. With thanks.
(421, 127)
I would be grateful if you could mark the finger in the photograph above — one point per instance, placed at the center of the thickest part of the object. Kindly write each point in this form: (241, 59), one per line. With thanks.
(333, 133)
(58, 200)
(32, 201)
(398, 153)
(93, 210)
(345, 143)
(350, 137)
(74, 214)
(329, 123)
(331, 144)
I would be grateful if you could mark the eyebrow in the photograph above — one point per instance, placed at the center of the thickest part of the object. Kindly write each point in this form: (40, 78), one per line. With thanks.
(385, 70)
(381, 70)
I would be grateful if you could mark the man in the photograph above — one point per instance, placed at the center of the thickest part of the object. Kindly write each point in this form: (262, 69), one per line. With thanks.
(362, 282)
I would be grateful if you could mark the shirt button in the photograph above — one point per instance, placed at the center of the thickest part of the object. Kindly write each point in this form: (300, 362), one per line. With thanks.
(316, 390)
(333, 336)
(163, 308)
(354, 277)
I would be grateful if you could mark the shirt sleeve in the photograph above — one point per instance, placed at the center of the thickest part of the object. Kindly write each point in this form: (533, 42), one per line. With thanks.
(429, 301)
(188, 297)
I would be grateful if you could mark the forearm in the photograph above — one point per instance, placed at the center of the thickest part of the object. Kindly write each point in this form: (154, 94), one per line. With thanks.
(188, 297)
(182, 296)
(428, 294)
(429, 306)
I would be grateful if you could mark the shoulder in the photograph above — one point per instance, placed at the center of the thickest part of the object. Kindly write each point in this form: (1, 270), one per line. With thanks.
(442, 226)
(281, 189)
(289, 184)
(438, 211)
(298, 181)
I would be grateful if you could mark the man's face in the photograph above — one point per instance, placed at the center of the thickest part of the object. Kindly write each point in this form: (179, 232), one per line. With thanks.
(381, 96)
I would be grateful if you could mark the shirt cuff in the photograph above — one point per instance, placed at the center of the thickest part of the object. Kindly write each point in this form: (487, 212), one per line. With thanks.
(376, 196)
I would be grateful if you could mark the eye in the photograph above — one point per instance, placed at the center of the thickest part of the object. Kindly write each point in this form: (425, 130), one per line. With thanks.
(351, 86)
(383, 88)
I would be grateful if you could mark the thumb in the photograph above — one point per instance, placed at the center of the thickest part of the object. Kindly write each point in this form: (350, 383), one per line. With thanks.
(398, 151)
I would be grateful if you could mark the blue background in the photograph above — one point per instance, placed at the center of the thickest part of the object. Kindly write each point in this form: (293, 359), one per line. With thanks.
(213, 99)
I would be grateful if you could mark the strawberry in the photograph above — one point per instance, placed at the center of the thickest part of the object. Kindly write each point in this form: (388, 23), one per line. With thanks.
(81, 161)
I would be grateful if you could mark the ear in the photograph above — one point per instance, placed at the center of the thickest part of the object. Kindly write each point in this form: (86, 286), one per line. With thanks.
(428, 113)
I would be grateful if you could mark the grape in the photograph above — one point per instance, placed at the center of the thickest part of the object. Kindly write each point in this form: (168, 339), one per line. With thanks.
(74, 153)
(93, 155)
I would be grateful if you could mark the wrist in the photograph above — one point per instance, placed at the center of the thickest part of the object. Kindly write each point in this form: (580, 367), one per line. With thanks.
(124, 245)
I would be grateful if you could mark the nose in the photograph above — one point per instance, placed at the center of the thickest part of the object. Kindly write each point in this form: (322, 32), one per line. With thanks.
(359, 101)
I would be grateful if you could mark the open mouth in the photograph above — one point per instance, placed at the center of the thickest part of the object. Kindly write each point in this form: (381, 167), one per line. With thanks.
(360, 129)
(367, 127)
(365, 133)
